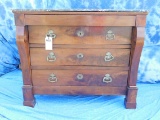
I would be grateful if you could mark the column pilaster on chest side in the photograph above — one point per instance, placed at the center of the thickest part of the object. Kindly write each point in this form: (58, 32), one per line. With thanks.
(23, 47)
(138, 33)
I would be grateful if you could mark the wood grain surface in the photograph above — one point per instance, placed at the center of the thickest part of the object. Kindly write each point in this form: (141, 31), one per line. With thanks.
(23, 47)
(80, 90)
(92, 35)
(99, 46)
(93, 57)
(69, 77)
(80, 20)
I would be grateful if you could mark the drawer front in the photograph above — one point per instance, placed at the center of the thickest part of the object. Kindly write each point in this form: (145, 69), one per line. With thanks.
(79, 78)
(81, 35)
(95, 57)
(80, 20)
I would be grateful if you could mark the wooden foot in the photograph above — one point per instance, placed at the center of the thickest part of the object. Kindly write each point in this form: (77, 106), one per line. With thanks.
(29, 103)
(130, 100)
(28, 96)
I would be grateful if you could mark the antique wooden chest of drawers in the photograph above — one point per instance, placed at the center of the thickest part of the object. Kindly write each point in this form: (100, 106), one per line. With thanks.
(80, 52)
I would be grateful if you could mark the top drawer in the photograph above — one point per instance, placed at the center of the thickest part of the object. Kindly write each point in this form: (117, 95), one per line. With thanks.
(80, 20)
(81, 35)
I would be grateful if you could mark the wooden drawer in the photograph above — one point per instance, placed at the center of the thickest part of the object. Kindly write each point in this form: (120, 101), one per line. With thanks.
(66, 56)
(79, 78)
(80, 20)
(82, 35)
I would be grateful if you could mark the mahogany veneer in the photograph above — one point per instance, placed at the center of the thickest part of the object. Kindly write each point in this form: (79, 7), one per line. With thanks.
(94, 52)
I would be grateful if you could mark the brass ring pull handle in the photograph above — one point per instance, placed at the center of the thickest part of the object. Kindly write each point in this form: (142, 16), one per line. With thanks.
(50, 33)
(79, 76)
(110, 35)
(52, 78)
(51, 57)
(80, 33)
(108, 57)
(80, 55)
(107, 78)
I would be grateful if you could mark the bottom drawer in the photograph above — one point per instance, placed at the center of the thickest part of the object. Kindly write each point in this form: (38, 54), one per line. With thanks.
(79, 78)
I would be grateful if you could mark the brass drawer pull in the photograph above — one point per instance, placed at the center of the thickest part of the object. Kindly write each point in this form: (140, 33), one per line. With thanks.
(80, 55)
(108, 57)
(107, 78)
(79, 76)
(51, 57)
(80, 33)
(52, 78)
(110, 35)
(50, 33)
